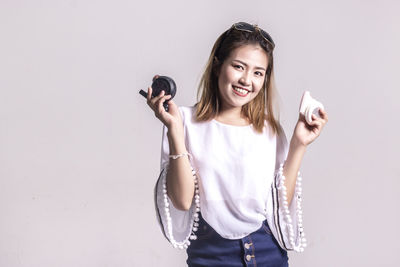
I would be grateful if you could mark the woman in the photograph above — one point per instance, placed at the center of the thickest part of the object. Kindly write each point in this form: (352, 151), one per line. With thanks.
(229, 189)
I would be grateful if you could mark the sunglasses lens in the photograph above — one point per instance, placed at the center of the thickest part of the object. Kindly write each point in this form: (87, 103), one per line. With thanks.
(243, 26)
(267, 37)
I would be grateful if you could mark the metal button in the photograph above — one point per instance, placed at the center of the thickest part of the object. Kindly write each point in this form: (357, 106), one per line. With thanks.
(247, 245)
(248, 257)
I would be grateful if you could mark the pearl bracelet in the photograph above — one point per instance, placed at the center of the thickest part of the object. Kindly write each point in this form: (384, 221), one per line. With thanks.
(180, 155)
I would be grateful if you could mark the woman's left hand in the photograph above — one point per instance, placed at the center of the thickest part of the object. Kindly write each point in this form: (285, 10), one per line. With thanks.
(304, 133)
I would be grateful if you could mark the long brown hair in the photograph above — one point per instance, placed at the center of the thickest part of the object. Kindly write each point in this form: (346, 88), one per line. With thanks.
(262, 107)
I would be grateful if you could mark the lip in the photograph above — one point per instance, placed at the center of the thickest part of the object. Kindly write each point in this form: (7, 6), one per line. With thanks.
(239, 94)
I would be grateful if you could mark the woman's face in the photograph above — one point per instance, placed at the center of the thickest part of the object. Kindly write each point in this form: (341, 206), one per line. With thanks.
(242, 76)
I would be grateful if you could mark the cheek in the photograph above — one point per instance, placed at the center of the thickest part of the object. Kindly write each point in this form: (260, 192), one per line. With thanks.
(257, 93)
(231, 75)
(259, 84)
(221, 81)
(225, 77)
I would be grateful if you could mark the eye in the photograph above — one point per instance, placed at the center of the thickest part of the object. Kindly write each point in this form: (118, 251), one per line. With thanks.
(240, 67)
(259, 73)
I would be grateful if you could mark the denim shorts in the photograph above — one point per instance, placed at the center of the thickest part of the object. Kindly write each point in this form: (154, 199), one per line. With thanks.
(259, 248)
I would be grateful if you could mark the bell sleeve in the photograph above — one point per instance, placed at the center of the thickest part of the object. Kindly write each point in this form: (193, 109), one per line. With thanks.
(178, 226)
(286, 220)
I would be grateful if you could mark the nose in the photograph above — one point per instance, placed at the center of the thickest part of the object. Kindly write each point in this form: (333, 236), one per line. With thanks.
(245, 79)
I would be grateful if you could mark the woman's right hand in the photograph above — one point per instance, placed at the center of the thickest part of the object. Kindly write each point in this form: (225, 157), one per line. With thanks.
(170, 119)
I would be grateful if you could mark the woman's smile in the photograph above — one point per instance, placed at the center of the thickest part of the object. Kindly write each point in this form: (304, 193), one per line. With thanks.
(240, 91)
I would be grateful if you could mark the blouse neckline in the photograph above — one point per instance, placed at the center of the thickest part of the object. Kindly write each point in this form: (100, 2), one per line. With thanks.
(231, 125)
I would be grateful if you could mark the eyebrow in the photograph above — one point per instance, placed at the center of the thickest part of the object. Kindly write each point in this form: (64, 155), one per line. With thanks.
(258, 68)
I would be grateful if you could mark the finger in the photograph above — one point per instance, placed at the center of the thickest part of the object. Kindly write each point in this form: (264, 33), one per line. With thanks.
(149, 92)
(323, 113)
(316, 125)
(171, 103)
(155, 77)
(164, 98)
(162, 93)
(313, 123)
(160, 105)
(157, 98)
(316, 121)
(161, 100)
(315, 117)
(320, 119)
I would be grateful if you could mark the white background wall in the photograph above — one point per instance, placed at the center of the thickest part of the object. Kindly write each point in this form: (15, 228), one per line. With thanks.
(80, 149)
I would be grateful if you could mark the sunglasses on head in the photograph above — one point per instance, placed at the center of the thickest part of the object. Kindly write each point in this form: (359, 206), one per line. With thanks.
(244, 26)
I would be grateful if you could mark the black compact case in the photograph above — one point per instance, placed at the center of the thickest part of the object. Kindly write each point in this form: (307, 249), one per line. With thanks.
(162, 83)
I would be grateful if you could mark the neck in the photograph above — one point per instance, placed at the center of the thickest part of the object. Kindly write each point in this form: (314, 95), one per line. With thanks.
(232, 116)
(230, 113)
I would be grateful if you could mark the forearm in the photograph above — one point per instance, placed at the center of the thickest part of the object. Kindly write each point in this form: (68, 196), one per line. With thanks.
(180, 182)
(292, 167)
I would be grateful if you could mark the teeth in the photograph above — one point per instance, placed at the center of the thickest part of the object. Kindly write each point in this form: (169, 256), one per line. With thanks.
(242, 91)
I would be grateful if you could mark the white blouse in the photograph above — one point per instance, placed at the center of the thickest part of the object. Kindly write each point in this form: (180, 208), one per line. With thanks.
(239, 183)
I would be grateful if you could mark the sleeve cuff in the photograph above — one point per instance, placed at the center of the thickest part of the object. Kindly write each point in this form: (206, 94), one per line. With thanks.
(289, 218)
(178, 226)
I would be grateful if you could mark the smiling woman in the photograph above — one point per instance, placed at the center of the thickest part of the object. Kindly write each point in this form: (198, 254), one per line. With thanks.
(229, 190)
(241, 77)
(249, 50)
